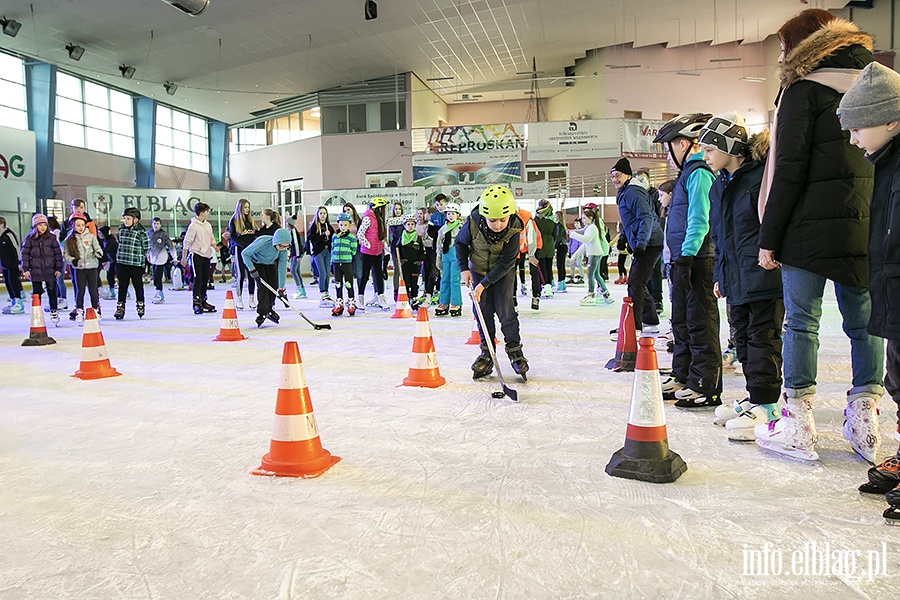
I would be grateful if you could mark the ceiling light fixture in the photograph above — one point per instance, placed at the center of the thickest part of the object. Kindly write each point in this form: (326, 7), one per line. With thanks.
(75, 51)
(732, 59)
(171, 88)
(191, 7)
(10, 26)
(440, 78)
(529, 72)
(690, 73)
(753, 79)
(623, 66)
(126, 71)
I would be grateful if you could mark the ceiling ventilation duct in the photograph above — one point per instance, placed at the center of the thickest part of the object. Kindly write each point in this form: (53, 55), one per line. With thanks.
(191, 7)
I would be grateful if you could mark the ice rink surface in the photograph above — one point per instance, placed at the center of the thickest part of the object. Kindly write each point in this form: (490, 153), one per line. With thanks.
(137, 487)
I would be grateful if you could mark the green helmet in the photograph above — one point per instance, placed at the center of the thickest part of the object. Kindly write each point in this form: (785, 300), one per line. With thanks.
(376, 202)
(497, 202)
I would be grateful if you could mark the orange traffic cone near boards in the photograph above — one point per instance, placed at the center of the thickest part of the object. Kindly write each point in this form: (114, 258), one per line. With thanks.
(229, 331)
(38, 334)
(402, 310)
(626, 343)
(474, 337)
(94, 358)
(423, 367)
(295, 449)
(646, 455)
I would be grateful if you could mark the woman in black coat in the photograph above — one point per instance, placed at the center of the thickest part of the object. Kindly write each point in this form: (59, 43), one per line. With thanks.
(815, 221)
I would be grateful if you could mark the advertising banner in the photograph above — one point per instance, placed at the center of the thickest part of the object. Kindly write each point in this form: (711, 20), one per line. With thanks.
(637, 138)
(476, 138)
(410, 197)
(574, 139)
(17, 170)
(483, 168)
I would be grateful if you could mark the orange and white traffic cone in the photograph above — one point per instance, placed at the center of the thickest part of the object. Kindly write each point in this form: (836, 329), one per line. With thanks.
(423, 367)
(94, 358)
(402, 310)
(38, 334)
(646, 455)
(626, 343)
(295, 449)
(474, 337)
(230, 330)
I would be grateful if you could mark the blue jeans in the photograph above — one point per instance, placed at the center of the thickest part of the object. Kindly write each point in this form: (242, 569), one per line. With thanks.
(450, 279)
(323, 264)
(593, 270)
(803, 292)
(295, 273)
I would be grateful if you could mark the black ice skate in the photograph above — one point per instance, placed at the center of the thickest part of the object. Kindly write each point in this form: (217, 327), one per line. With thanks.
(273, 316)
(140, 309)
(892, 514)
(517, 360)
(456, 311)
(260, 319)
(535, 303)
(483, 365)
(207, 307)
(883, 478)
(120, 311)
(198, 307)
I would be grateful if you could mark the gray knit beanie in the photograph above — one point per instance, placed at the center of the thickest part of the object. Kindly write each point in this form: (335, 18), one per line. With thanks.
(873, 100)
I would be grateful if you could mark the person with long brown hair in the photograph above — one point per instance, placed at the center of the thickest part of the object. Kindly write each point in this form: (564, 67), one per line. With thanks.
(372, 235)
(242, 230)
(319, 240)
(814, 203)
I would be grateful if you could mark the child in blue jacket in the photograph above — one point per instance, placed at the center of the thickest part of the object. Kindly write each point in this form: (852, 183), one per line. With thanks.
(266, 259)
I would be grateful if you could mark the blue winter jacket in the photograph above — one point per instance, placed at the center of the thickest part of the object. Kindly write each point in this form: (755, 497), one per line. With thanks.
(262, 252)
(639, 221)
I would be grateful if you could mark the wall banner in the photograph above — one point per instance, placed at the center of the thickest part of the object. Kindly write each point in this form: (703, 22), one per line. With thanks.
(481, 169)
(476, 138)
(17, 170)
(574, 139)
(637, 138)
(108, 202)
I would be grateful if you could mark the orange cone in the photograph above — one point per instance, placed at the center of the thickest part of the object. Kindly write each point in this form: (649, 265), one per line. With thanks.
(402, 310)
(38, 334)
(229, 331)
(626, 344)
(295, 449)
(94, 359)
(474, 337)
(423, 368)
(646, 455)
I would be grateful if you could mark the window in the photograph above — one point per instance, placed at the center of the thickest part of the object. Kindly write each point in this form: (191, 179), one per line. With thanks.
(93, 116)
(546, 172)
(634, 114)
(393, 116)
(334, 119)
(13, 111)
(182, 140)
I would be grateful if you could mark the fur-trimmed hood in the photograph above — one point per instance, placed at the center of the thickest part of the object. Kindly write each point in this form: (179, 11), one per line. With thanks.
(809, 53)
(759, 145)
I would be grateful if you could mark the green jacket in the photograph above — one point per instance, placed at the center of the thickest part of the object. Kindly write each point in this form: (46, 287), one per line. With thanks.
(134, 244)
(547, 227)
(344, 247)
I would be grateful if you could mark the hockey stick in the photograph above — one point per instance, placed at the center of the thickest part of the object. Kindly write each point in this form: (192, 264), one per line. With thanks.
(287, 304)
(508, 391)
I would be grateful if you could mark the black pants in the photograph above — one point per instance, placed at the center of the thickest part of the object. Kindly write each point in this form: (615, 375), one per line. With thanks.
(38, 288)
(87, 280)
(541, 274)
(498, 299)
(111, 275)
(430, 273)
(892, 373)
(757, 339)
(604, 268)
(372, 264)
(562, 253)
(655, 286)
(410, 278)
(520, 265)
(158, 272)
(13, 285)
(242, 272)
(201, 277)
(265, 299)
(343, 273)
(623, 271)
(134, 275)
(697, 360)
(641, 272)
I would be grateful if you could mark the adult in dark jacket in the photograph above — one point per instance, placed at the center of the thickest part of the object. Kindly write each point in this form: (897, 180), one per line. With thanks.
(10, 256)
(640, 226)
(753, 294)
(815, 205)
(542, 272)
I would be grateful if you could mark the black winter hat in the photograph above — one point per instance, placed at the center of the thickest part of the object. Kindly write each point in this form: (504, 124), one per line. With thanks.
(622, 166)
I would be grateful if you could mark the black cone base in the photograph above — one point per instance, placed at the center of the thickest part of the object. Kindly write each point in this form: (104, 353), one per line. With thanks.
(39, 339)
(622, 363)
(653, 470)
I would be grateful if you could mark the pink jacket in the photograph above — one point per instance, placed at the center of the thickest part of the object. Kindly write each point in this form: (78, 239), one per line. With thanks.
(367, 234)
(199, 238)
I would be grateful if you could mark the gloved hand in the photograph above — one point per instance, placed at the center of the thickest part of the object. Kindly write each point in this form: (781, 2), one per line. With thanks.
(74, 262)
(254, 273)
(683, 266)
(637, 252)
(281, 294)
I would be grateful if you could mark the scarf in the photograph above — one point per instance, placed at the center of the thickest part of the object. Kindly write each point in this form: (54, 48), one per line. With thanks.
(490, 235)
(450, 226)
(408, 237)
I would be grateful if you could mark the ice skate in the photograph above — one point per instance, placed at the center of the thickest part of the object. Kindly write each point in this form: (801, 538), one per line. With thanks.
(79, 317)
(433, 300)
(107, 293)
(198, 307)
(729, 357)
(741, 429)
(207, 307)
(373, 303)
(561, 287)
(54, 317)
(239, 301)
(535, 303)
(456, 311)
(517, 360)
(8, 309)
(351, 307)
(689, 399)
(325, 301)
(338, 309)
(260, 319)
(158, 298)
(442, 310)
(613, 335)
(140, 309)
(861, 427)
(522, 290)
(62, 304)
(670, 385)
(794, 434)
(883, 478)
(18, 308)
(120, 311)
(605, 298)
(579, 280)
(383, 303)
(650, 329)
(300, 294)
(273, 316)
(588, 300)
(730, 411)
(253, 303)
(570, 280)
(892, 513)
(73, 314)
(546, 291)
(738, 369)
(483, 365)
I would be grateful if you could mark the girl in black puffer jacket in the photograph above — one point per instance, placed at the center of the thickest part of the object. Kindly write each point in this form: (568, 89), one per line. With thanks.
(42, 261)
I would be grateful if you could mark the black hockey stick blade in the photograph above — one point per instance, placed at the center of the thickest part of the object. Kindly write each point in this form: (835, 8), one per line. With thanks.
(287, 304)
(508, 391)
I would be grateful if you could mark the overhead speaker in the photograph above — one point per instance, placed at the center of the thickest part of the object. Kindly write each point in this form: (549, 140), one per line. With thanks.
(371, 10)
(10, 27)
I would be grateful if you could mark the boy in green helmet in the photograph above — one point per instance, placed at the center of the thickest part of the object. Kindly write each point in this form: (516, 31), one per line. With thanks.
(487, 246)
